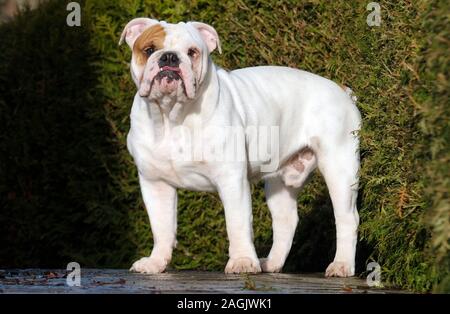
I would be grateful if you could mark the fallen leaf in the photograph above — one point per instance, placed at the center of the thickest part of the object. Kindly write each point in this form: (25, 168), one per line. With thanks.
(347, 289)
(51, 275)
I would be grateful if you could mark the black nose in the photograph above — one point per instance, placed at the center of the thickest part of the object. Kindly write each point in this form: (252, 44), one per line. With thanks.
(169, 59)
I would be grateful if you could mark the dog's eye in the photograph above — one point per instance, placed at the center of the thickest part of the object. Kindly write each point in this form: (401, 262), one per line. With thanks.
(149, 50)
(192, 52)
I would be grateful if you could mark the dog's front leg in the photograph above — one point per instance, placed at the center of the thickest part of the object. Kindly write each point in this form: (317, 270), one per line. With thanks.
(234, 191)
(161, 202)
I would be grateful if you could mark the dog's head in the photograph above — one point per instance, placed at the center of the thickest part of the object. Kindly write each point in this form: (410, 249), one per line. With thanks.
(169, 60)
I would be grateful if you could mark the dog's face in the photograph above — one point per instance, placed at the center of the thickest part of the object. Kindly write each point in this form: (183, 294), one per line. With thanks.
(169, 60)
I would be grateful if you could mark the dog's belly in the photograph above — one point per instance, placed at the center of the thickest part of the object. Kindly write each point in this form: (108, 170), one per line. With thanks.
(190, 175)
(190, 180)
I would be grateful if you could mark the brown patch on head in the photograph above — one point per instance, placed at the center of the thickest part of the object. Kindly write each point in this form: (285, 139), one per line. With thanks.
(153, 36)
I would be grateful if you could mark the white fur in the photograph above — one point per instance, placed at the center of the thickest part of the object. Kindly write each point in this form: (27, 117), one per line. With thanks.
(310, 111)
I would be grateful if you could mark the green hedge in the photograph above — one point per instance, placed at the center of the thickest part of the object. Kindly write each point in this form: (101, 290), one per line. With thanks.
(69, 188)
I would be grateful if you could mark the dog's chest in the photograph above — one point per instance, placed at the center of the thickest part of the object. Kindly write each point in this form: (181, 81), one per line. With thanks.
(170, 161)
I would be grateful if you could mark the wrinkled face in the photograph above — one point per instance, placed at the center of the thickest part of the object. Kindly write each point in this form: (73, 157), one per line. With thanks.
(169, 61)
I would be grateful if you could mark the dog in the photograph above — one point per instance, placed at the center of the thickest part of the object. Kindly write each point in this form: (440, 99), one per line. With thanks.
(182, 94)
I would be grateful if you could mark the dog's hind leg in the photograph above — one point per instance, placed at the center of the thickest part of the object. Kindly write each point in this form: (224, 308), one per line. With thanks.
(339, 166)
(282, 203)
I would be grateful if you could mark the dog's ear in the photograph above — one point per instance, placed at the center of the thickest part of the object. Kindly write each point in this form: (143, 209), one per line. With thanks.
(134, 28)
(209, 36)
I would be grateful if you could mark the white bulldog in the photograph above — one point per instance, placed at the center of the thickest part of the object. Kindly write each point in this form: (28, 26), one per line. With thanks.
(180, 88)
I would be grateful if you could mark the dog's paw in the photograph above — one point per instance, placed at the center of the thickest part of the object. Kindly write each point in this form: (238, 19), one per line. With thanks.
(270, 266)
(149, 265)
(242, 265)
(340, 269)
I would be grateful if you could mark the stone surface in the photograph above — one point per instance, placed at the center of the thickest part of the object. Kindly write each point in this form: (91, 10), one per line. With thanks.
(122, 281)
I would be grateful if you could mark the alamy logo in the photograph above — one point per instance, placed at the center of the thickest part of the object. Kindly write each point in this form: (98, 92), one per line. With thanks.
(74, 17)
(374, 17)
(262, 143)
(74, 277)
(374, 277)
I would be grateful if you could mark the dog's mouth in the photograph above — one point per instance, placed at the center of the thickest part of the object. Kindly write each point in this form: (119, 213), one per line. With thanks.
(166, 80)
(171, 73)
